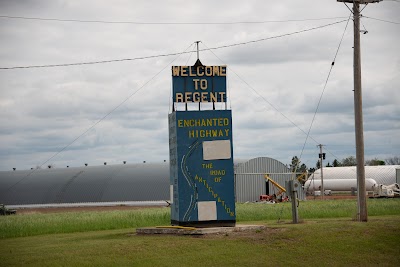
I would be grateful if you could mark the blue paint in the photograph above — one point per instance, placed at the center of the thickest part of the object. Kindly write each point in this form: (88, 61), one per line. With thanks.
(195, 84)
(193, 178)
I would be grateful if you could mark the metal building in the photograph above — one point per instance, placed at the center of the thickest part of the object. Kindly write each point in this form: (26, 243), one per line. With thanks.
(125, 183)
(250, 182)
(108, 183)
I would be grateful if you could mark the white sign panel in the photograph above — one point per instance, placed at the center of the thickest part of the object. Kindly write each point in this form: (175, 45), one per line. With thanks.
(207, 210)
(218, 149)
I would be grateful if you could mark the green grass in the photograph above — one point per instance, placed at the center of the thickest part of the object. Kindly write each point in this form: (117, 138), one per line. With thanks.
(317, 242)
(314, 209)
(70, 222)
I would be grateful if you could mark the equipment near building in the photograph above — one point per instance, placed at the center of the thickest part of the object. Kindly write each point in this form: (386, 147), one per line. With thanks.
(302, 178)
(275, 197)
(380, 190)
(5, 211)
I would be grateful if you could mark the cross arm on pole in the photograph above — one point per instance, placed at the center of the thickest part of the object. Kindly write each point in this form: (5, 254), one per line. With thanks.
(360, 1)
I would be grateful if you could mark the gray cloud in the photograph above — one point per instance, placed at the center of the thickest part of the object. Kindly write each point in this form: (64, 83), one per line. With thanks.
(42, 110)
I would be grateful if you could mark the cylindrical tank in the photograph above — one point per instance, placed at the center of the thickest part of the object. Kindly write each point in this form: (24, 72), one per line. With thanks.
(337, 184)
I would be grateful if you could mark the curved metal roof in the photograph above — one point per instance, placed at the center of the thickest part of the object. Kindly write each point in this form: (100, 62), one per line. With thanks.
(383, 174)
(262, 165)
(123, 182)
(108, 183)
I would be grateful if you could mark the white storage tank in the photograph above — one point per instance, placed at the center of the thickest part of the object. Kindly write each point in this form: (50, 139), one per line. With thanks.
(384, 174)
(337, 184)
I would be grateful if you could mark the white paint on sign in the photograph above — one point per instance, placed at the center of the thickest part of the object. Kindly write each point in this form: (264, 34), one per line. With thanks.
(218, 149)
(207, 210)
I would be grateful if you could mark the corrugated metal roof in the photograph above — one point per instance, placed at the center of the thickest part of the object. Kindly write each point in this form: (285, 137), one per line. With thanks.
(262, 165)
(130, 182)
(126, 182)
(383, 174)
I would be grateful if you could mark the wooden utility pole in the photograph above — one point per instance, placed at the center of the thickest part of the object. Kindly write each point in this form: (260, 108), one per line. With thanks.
(362, 214)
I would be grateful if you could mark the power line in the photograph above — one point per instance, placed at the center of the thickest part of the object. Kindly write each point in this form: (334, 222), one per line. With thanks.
(277, 36)
(115, 108)
(170, 54)
(306, 133)
(260, 95)
(323, 90)
(164, 22)
(101, 119)
(383, 20)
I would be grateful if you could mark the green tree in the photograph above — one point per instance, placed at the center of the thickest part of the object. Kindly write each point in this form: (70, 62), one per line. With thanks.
(318, 165)
(393, 161)
(328, 165)
(294, 164)
(336, 163)
(349, 161)
(300, 168)
(374, 162)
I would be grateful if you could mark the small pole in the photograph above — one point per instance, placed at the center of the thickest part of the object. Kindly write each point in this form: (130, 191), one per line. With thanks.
(198, 59)
(295, 211)
(197, 43)
(322, 173)
(292, 193)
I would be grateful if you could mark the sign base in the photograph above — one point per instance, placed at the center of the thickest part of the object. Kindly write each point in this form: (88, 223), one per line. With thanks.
(206, 224)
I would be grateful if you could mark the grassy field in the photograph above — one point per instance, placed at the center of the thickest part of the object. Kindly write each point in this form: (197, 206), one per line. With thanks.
(327, 237)
(70, 222)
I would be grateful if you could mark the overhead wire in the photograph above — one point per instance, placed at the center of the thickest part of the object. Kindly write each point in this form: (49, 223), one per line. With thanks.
(383, 20)
(171, 54)
(102, 118)
(180, 53)
(260, 95)
(165, 22)
(323, 90)
(171, 89)
(276, 109)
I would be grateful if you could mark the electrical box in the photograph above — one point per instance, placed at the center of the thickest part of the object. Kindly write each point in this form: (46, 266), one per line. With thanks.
(292, 185)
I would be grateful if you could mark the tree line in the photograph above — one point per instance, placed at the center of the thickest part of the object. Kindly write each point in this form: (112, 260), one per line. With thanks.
(295, 165)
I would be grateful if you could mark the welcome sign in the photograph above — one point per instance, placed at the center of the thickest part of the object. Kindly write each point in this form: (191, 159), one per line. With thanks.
(201, 150)
(199, 84)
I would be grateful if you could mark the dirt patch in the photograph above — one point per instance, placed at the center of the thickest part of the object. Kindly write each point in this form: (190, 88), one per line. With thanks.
(248, 235)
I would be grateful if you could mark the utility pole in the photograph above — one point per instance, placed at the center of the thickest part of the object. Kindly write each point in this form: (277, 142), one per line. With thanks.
(362, 214)
(321, 157)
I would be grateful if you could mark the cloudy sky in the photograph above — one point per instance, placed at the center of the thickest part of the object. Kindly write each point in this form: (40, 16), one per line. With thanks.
(274, 85)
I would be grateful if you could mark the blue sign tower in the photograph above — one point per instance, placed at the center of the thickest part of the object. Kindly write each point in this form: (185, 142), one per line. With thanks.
(200, 143)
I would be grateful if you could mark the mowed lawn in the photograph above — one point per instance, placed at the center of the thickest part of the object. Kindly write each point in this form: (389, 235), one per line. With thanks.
(314, 242)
